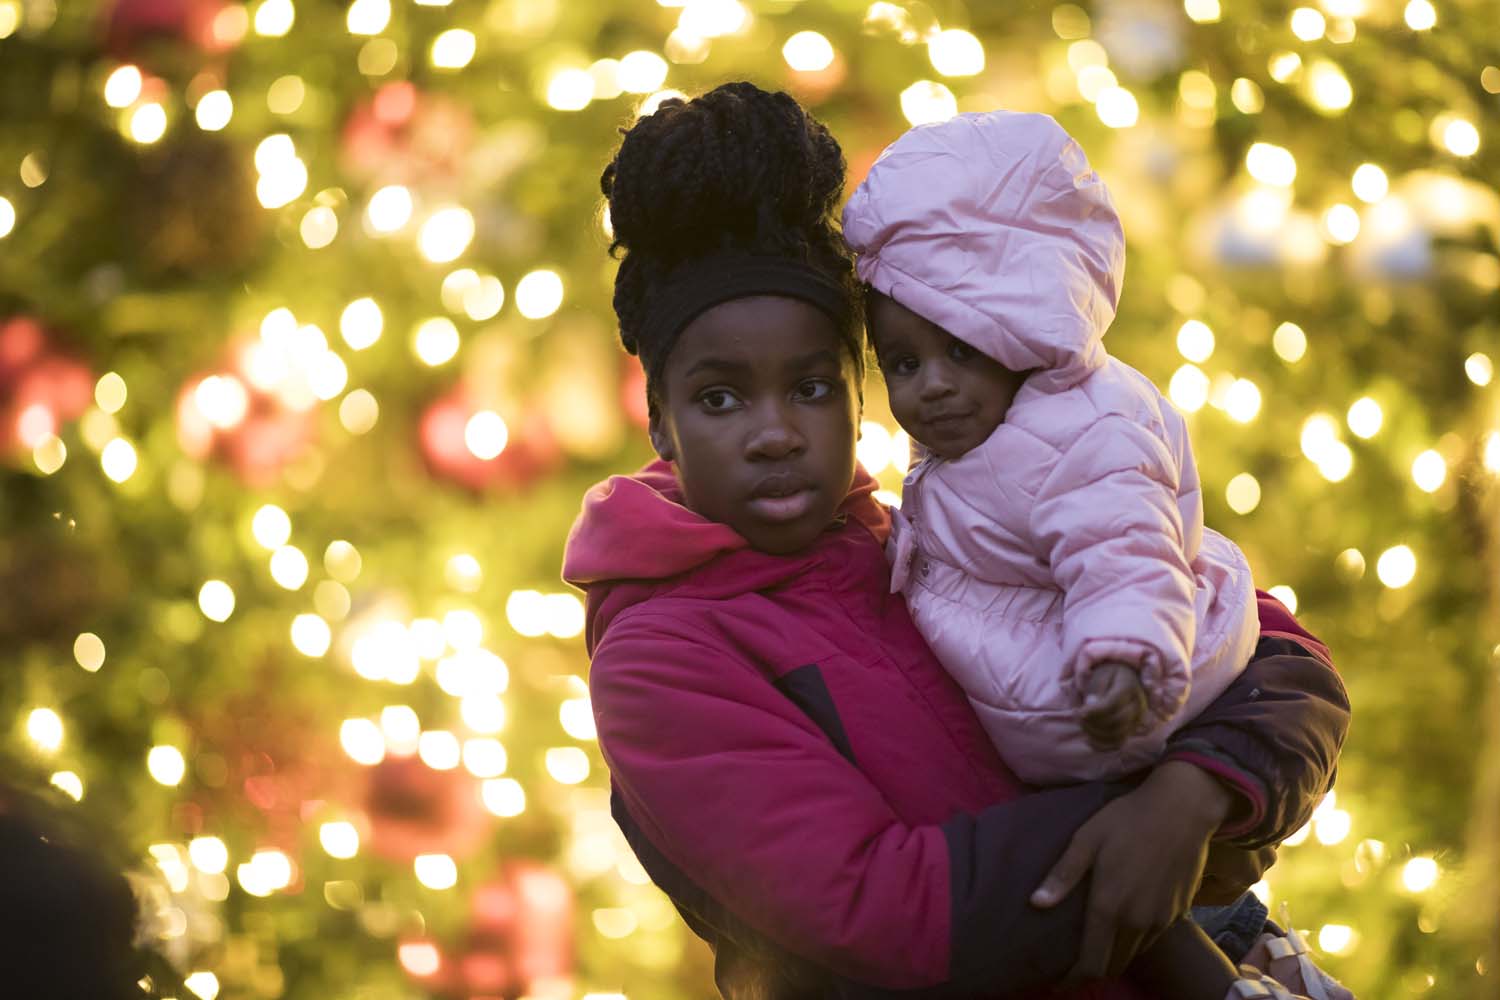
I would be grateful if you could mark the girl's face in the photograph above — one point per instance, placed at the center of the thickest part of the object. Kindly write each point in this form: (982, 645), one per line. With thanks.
(944, 393)
(759, 409)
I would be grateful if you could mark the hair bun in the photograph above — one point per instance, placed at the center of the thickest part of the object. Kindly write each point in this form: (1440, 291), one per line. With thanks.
(738, 167)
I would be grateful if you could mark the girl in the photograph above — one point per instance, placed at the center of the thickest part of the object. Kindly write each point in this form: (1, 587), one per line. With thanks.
(1051, 544)
(787, 759)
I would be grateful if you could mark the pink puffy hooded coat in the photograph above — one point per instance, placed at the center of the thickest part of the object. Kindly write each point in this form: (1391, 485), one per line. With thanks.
(1074, 535)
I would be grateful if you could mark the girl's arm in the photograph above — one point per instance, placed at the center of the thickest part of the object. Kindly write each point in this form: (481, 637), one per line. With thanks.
(1106, 522)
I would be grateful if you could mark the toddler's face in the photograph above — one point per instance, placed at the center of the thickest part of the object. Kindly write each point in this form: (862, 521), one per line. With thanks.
(944, 393)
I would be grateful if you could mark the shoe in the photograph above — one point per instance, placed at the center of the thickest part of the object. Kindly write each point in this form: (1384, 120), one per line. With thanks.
(1285, 959)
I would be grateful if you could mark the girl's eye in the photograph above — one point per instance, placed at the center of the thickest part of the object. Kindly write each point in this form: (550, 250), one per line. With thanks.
(961, 351)
(717, 400)
(814, 389)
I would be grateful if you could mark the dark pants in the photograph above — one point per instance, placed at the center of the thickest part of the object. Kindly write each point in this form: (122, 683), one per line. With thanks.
(1235, 927)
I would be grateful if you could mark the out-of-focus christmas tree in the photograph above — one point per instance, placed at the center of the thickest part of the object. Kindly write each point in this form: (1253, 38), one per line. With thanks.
(306, 357)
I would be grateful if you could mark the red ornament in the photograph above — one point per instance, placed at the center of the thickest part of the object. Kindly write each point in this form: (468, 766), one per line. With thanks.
(404, 136)
(257, 433)
(40, 388)
(530, 450)
(210, 25)
(414, 810)
(519, 942)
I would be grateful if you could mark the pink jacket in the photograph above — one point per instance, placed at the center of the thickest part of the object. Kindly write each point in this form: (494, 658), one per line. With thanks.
(1074, 535)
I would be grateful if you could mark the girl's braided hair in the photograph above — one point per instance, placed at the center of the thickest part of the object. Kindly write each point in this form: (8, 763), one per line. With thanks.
(737, 169)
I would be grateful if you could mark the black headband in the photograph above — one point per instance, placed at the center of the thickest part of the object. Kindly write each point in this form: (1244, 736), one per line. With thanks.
(698, 286)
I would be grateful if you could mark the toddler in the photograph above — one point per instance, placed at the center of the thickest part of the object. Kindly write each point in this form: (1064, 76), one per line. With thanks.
(1051, 544)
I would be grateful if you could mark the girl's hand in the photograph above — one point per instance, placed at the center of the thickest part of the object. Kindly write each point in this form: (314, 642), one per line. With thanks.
(1114, 705)
(1146, 851)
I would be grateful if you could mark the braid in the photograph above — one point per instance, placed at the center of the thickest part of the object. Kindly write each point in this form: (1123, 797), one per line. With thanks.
(736, 169)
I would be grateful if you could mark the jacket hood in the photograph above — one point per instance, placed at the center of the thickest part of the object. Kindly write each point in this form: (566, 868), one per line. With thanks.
(634, 538)
(994, 227)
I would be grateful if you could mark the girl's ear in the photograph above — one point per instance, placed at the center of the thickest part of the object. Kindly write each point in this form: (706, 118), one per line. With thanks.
(660, 440)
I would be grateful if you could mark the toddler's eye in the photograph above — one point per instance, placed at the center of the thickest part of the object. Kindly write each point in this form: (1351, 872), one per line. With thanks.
(903, 365)
(960, 351)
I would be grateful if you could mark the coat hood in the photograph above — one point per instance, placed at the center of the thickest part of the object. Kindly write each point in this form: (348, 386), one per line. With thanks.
(634, 538)
(994, 227)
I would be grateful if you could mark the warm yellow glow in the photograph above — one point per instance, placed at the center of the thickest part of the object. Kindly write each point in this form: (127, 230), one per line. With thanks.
(539, 294)
(485, 435)
(216, 600)
(88, 650)
(1336, 939)
(271, 526)
(361, 323)
(1336, 462)
(463, 629)
(503, 796)
(570, 89)
(873, 449)
(1319, 432)
(1341, 224)
(1365, 417)
(687, 49)
(1085, 53)
(10, 17)
(289, 567)
(1095, 80)
(1343, 8)
(209, 855)
(446, 234)
(45, 729)
(1117, 107)
(286, 95)
(577, 718)
(265, 872)
(1479, 368)
(525, 611)
(110, 392)
(1286, 595)
(122, 87)
(339, 839)
(319, 227)
(1247, 96)
(368, 17)
(311, 635)
(274, 18)
(384, 651)
(1308, 24)
(807, 52)
(1461, 138)
(389, 209)
(1420, 874)
(1243, 493)
(927, 101)
(436, 871)
(1197, 90)
(641, 72)
(564, 616)
(1328, 87)
(148, 123)
(7, 217)
(463, 572)
(204, 985)
(567, 765)
(362, 741)
(49, 454)
(1420, 15)
(70, 783)
(1370, 183)
(1397, 566)
(281, 182)
(419, 958)
(1289, 342)
(436, 341)
(1332, 827)
(887, 497)
(342, 561)
(401, 728)
(956, 52)
(439, 749)
(483, 713)
(713, 18)
(1188, 388)
(1429, 471)
(606, 76)
(1202, 11)
(1195, 341)
(166, 764)
(118, 460)
(1242, 402)
(1271, 165)
(484, 757)
(654, 101)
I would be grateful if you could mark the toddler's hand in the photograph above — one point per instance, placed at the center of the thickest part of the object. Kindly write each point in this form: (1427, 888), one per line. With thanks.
(1114, 705)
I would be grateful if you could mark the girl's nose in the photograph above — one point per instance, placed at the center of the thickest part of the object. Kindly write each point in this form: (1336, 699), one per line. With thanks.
(775, 436)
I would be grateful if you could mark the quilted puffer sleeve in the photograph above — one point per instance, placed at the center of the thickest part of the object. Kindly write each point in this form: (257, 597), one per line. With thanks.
(1107, 522)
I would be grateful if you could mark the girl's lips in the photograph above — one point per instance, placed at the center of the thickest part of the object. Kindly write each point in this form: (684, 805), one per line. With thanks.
(783, 509)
